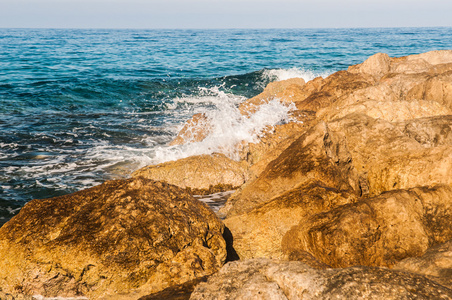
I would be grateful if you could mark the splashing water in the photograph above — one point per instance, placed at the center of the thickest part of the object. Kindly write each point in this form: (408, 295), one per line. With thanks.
(284, 74)
(227, 127)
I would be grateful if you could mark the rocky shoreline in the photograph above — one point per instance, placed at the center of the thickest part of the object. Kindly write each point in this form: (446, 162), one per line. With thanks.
(351, 198)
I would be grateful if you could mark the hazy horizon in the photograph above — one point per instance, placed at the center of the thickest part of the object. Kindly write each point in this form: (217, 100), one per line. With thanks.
(223, 14)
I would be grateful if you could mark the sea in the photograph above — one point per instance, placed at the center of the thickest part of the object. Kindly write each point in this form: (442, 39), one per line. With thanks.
(79, 107)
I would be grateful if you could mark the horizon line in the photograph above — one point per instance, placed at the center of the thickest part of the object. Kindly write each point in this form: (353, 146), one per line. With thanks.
(226, 28)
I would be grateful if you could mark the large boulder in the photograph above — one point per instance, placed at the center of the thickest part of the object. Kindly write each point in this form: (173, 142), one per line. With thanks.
(377, 231)
(387, 155)
(334, 87)
(377, 65)
(274, 141)
(259, 232)
(392, 111)
(436, 264)
(133, 236)
(272, 279)
(317, 155)
(436, 88)
(202, 174)
(380, 64)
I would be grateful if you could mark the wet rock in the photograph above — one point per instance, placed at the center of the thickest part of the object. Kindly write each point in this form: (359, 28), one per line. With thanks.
(272, 279)
(194, 130)
(378, 231)
(123, 237)
(284, 90)
(259, 232)
(274, 141)
(202, 174)
(435, 264)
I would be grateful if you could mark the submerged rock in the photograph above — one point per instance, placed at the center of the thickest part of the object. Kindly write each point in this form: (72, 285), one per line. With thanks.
(133, 237)
(202, 174)
(272, 279)
(377, 231)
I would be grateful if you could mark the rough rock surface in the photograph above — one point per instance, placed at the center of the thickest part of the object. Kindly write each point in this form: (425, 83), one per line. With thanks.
(387, 155)
(259, 232)
(436, 264)
(392, 111)
(274, 141)
(381, 64)
(201, 174)
(125, 236)
(317, 155)
(377, 231)
(284, 90)
(271, 279)
(329, 90)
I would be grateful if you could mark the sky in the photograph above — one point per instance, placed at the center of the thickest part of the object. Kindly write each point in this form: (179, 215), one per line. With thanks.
(224, 13)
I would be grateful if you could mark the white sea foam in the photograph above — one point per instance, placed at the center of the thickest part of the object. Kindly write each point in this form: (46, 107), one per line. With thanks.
(227, 128)
(283, 74)
(206, 96)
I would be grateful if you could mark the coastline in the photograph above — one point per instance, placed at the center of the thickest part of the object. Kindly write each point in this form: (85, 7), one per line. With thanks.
(358, 174)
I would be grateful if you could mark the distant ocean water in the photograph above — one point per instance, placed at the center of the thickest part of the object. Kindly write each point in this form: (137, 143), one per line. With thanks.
(78, 107)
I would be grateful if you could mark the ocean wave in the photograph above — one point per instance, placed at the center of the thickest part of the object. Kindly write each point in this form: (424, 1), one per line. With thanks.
(227, 128)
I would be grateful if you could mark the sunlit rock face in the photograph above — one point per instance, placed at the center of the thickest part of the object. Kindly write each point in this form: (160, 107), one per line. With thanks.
(273, 279)
(125, 236)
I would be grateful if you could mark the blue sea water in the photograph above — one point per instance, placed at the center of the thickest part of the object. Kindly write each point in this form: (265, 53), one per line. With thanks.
(78, 107)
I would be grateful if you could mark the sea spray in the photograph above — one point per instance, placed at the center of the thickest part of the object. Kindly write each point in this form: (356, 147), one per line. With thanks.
(284, 74)
(226, 128)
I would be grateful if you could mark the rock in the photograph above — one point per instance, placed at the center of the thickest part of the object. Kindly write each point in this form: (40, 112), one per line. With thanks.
(272, 279)
(178, 292)
(430, 132)
(378, 231)
(194, 130)
(377, 65)
(436, 57)
(332, 88)
(274, 141)
(283, 90)
(259, 232)
(389, 157)
(202, 174)
(435, 264)
(317, 155)
(132, 236)
(387, 110)
(379, 92)
(436, 88)
(381, 64)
